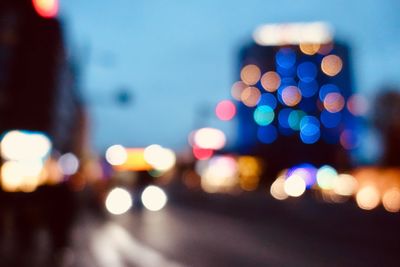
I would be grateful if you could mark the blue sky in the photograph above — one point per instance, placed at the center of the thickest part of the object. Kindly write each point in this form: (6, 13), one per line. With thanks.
(178, 57)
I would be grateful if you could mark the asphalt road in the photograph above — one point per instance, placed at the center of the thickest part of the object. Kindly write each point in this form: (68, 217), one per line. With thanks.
(239, 232)
(223, 231)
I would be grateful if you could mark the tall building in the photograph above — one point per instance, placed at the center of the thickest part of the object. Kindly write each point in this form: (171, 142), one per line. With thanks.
(294, 97)
(38, 87)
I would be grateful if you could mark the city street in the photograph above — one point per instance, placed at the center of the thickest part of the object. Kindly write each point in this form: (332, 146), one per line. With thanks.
(199, 133)
(284, 235)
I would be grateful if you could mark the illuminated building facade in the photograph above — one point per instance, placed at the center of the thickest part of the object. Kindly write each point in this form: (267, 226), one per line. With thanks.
(293, 98)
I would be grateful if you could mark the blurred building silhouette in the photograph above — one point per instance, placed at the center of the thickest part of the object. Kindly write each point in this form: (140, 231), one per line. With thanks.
(385, 118)
(293, 101)
(37, 82)
(41, 118)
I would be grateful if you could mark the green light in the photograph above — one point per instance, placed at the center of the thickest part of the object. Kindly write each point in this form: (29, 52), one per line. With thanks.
(294, 119)
(326, 175)
(264, 115)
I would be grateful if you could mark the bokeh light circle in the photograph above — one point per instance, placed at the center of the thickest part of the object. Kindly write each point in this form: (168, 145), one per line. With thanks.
(277, 189)
(309, 130)
(368, 197)
(291, 96)
(307, 71)
(250, 96)
(308, 89)
(250, 74)
(331, 65)
(285, 58)
(334, 102)
(68, 164)
(326, 176)
(271, 81)
(116, 155)
(46, 8)
(25, 145)
(160, 158)
(225, 110)
(391, 200)
(154, 198)
(294, 119)
(325, 49)
(306, 171)
(263, 115)
(357, 105)
(209, 138)
(326, 89)
(345, 185)
(118, 201)
(295, 186)
(237, 90)
(309, 48)
(202, 153)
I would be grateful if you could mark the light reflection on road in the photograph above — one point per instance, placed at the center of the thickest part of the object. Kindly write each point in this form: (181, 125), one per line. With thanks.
(112, 245)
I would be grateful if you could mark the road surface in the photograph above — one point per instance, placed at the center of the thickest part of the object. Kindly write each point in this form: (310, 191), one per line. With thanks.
(242, 233)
